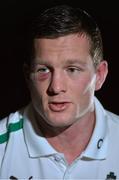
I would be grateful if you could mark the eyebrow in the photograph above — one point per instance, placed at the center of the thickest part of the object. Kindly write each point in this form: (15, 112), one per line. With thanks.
(67, 62)
(75, 61)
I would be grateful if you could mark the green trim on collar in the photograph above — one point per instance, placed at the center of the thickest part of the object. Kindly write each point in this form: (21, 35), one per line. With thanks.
(12, 127)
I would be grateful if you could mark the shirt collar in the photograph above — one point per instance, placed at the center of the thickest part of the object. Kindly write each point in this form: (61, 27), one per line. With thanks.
(38, 146)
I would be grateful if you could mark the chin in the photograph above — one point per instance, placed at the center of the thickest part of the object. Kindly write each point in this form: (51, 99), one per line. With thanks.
(59, 121)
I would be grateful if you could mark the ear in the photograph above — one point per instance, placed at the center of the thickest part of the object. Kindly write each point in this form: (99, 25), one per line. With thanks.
(101, 74)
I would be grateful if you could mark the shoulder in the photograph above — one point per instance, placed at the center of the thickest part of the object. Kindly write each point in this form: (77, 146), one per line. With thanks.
(114, 118)
(9, 124)
(113, 125)
(102, 113)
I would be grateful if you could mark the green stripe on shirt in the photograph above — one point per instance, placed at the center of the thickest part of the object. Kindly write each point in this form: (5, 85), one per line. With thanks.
(11, 128)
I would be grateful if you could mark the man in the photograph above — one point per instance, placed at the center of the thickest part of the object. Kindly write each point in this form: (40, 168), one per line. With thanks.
(64, 133)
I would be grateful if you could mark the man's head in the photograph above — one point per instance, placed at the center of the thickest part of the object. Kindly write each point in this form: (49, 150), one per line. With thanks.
(64, 20)
(66, 67)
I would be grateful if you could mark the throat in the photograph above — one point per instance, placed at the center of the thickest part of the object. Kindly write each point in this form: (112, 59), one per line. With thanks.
(73, 141)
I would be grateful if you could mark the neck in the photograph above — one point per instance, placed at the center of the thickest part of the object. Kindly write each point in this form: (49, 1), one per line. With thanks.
(71, 140)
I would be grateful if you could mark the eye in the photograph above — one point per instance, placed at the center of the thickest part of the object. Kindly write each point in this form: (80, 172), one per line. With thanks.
(43, 70)
(73, 69)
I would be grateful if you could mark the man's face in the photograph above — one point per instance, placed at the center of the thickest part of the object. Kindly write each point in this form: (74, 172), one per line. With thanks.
(63, 79)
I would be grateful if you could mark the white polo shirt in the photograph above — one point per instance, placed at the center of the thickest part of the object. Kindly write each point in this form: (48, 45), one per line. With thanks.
(26, 155)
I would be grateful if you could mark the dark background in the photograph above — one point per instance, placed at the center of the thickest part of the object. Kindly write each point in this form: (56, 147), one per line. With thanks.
(13, 16)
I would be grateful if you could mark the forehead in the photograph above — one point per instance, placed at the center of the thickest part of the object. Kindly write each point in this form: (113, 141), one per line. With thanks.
(69, 48)
(71, 43)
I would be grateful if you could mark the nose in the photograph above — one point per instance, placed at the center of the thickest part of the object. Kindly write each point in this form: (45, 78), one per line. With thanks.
(57, 84)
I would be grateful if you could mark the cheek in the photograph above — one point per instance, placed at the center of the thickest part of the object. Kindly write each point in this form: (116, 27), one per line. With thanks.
(79, 86)
(38, 87)
(83, 95)
(83, 87)
(89, 85)
(38, 96)
(39, 84)
(36, 92)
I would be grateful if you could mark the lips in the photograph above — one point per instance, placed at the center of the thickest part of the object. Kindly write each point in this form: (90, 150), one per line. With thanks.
(58, 106)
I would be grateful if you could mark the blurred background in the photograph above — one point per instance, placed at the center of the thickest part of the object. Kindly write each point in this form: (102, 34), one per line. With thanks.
(13, 17)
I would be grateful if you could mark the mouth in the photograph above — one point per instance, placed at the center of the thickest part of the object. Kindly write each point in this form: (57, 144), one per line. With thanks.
(58, 106)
